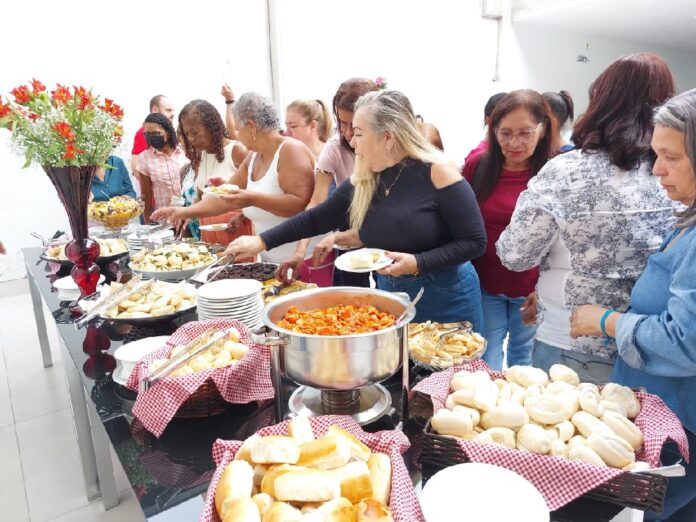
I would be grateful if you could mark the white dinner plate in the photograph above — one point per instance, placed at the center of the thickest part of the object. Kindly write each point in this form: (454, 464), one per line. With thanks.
(482, 492)
(229, 289)
(215, 227)
(136, 350)
(232, 189)
(343, 261)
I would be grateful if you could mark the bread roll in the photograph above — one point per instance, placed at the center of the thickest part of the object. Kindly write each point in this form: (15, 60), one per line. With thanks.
(275, 449)
(559, 449)
(575, 440)
(622, 394)
(300, 429)
(565, 430)
(533, 438)
(358, 450)
(583, 453)
(372, 510)
(553, 433)
(485, 396)
(356, 483)
(557, 387)
(263, 502)
(624, 428)
(464, 380)
(463, 397)
(613, 450)
(527, 376)
(380, 468)
(504, 437)
(546, 409)
(328, 452)
(455, 423)
(237, 480)
(562, 373)
(337, 510)
(507, 415)
(268, 481)
(585, 385)
(244, 452)
(618, 407)
(307, 485)
(471, 412)
(590, 401)
(259, 472)
(282, 512)
(587, 424)
(532, 390)
(241, 509)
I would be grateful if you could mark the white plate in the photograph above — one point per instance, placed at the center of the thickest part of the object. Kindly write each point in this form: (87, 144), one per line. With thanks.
(136, 350)
(67, 288)
(210, 190)
(483, 492)
(343, 261)
(229, 289)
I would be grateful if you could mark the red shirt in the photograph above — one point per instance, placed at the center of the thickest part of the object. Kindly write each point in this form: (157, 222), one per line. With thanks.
(497, 211)
(139, 142)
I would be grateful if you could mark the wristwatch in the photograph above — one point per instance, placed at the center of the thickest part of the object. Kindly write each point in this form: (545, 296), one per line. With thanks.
(229, 102)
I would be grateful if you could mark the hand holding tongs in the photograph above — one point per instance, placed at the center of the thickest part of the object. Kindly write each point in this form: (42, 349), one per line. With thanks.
(182, 358)
(135, 285)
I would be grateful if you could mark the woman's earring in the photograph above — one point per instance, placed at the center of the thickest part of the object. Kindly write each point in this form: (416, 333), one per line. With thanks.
(254, 136)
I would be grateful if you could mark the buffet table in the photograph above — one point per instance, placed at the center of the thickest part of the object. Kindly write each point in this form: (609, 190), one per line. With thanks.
(172, 472)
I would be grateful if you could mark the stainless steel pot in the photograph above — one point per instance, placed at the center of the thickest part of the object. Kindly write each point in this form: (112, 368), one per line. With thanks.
(338, 362)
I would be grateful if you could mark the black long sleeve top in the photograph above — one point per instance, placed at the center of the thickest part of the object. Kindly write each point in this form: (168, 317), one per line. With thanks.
(440, 227)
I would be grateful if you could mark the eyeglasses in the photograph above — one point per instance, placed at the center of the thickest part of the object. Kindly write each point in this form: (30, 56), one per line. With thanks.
(525, 136)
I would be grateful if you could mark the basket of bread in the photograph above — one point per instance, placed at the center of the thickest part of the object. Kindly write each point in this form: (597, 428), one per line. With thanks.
(437, 346)
(551, 429)
(172, 261)
(203, 367)
(312, 469)
(116, 212)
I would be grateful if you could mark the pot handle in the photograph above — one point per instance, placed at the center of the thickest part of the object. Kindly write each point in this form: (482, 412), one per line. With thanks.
(260, 336)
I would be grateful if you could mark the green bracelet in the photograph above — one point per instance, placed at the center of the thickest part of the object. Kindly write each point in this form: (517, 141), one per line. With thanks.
(603, 324)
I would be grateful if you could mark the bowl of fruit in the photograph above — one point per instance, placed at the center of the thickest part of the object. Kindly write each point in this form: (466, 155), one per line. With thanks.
(116, 212)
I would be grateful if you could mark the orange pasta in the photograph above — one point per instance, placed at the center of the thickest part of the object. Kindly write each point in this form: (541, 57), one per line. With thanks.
(337, 320)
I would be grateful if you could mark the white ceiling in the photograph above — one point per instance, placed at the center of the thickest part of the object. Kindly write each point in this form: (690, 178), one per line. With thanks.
(671, 23)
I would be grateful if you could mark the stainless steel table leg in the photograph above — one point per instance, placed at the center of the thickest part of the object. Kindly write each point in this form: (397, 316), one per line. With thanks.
(37, 304)
(82, 426)
(102, 451)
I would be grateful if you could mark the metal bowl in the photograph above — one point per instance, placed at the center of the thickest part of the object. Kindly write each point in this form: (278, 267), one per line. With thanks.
(339, 362)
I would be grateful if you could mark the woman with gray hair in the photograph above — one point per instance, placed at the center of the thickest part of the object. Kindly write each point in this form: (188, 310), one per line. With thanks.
(656, 336)
(273, 183)
(406, 198)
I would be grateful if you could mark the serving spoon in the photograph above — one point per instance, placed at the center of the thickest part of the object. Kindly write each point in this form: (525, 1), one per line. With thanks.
(411, 305)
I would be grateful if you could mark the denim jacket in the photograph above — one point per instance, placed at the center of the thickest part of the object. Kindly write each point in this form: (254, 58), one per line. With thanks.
(656, 338)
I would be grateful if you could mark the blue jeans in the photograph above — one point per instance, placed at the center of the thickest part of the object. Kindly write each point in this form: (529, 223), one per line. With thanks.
(502, 316)
(590, 368)
(680, 499)
(451, 294)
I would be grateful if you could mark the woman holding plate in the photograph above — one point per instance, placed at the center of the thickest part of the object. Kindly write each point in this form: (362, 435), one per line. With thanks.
(400, 181)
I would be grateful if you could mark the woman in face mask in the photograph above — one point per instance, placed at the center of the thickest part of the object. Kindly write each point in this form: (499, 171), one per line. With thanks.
(159, 166)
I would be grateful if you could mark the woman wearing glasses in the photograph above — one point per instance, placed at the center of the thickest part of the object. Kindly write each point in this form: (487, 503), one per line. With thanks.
(592, 216)
(519, 134)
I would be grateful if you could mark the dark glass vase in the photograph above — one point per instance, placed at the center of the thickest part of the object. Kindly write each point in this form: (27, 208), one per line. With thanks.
(73, 185)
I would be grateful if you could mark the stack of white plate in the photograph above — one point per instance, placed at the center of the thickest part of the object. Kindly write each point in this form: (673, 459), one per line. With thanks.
(137, 242)
(238, 299)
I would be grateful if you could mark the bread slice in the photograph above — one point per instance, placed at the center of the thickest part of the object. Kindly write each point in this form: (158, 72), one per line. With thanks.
(275, 449)
(380, 468)
(356, 483)
(308, 485)
(328, 452)
(358, 450)
(237, 480)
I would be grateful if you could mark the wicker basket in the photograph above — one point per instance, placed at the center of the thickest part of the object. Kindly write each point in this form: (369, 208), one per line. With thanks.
(644, 491)
(205, 402)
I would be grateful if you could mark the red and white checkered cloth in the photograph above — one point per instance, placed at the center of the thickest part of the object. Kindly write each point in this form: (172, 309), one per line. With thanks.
(248, 380)
(559, 480)
(403, 502)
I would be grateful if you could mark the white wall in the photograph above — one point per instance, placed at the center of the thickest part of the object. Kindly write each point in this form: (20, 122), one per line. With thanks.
(544, 59)
(128, 51)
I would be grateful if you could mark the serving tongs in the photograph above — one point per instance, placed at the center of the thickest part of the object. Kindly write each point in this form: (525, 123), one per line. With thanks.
(221, 264)
(134, 286)
(186, 355)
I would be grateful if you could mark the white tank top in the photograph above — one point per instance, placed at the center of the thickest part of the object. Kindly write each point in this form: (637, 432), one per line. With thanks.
(264, 220)
(210, 167)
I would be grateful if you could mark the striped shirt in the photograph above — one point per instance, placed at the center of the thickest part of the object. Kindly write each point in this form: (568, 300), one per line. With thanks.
(163, 172)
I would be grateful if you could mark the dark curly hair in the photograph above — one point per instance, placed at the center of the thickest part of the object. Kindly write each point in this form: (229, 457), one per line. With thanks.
(210, 118)
(161, 120)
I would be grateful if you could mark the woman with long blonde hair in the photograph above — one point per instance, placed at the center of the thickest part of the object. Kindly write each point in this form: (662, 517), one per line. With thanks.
(405, 197)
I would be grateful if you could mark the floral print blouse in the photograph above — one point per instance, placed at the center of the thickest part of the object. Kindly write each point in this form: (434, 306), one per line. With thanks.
(591, 227)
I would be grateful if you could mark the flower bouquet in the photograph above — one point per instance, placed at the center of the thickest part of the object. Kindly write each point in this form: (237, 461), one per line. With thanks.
(70, 133)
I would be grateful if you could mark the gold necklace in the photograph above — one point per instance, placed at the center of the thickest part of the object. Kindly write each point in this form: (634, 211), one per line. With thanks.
(388, 189)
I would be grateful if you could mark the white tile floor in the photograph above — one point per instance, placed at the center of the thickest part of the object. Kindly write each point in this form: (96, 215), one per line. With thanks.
(40, 470)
